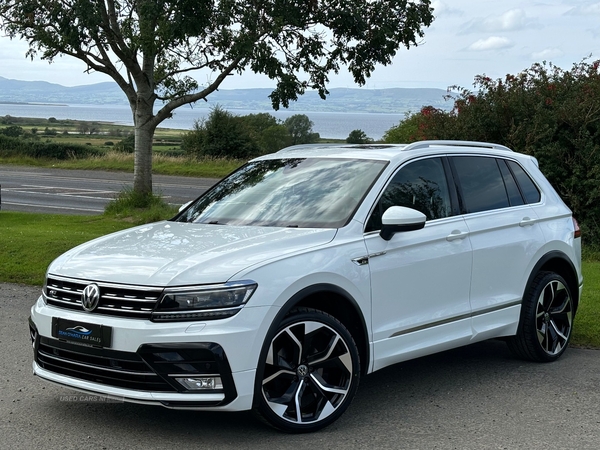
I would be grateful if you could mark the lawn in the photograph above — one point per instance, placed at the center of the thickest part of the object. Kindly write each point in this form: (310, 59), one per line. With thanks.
(29, 242)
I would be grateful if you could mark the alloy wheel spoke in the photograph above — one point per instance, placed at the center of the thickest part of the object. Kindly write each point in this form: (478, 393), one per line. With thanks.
(277, 374)
(327, 388)
(557, 331)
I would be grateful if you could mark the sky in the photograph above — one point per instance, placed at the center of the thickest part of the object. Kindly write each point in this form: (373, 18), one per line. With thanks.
(467, 38)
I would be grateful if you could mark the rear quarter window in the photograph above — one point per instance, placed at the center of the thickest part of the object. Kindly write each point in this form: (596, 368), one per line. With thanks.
(528, 188)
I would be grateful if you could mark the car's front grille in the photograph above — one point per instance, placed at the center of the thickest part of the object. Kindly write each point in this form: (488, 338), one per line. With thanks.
(115, 299)
(110, 367)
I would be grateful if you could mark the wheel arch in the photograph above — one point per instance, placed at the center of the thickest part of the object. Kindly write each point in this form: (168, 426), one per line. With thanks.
(336, 302)
(559, 263)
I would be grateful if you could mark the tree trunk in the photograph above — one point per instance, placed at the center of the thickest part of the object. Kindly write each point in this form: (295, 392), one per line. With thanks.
(144, 134)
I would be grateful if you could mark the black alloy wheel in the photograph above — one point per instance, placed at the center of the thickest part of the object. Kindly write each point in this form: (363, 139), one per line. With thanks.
(309, 373)
(546, 320)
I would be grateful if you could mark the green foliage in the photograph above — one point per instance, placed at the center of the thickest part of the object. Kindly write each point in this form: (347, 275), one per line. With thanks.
(299, 127)
(126, 145)
(223, 134)
(358, 137)
(11, 147)
(12, 131)
(544, 111)
(139, 208)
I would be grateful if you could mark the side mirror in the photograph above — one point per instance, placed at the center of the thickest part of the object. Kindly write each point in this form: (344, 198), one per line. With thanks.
(399, 218)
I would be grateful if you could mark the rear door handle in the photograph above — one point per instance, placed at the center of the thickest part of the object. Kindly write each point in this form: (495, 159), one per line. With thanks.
(457, 234)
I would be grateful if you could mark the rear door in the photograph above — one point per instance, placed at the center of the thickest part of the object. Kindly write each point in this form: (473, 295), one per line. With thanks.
(505, 235)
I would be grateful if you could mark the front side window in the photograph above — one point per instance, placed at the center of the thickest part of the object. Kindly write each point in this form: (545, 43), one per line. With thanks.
(420, 185)
(293, 192)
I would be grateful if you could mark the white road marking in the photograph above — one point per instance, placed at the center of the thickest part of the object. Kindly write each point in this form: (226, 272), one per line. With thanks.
(34, 205)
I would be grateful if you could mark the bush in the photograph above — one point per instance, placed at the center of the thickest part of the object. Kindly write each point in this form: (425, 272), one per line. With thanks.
(10, 146)
(126, 145)
(12, 131)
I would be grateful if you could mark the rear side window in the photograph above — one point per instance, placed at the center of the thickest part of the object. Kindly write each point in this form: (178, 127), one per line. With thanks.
(528, 188)
(481, 183)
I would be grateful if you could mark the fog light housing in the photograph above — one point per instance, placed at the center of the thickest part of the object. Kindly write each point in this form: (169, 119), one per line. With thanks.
(201, 383)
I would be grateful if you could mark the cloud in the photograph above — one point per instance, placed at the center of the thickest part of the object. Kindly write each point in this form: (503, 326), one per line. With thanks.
(512, 20)
(585, 10)
(442, 9)
(547, 54)
(491, 43)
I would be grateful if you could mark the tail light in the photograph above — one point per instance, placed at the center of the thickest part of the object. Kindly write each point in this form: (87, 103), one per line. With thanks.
(577, 230)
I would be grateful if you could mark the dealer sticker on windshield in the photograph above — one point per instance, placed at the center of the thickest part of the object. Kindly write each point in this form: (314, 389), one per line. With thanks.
(81, 333)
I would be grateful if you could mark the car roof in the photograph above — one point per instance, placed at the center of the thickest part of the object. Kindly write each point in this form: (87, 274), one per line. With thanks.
(386, 152)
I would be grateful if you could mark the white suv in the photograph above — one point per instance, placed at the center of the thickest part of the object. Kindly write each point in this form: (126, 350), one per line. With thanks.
(306, 269)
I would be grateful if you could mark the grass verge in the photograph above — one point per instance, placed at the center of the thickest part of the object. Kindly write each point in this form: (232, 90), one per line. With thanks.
(123, 162)
(29, 242)
(586, 330)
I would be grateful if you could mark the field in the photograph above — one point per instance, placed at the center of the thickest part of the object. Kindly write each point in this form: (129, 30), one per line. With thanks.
(168, 158)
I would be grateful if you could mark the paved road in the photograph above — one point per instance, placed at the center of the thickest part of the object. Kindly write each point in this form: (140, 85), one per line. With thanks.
(82, 192)
(477, 397)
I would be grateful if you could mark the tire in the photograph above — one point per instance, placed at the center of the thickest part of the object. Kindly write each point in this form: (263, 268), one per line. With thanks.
(546, 323)
(308, 373)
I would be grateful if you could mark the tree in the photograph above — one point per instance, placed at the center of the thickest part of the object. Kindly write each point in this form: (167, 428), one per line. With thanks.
(149, 47)
(300, 129)
(358, 137)
(221, 134)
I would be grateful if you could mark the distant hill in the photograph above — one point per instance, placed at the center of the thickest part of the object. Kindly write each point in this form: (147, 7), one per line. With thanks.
(395, 100)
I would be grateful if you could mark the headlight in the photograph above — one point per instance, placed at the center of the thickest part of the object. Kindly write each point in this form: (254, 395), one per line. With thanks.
(203, 302)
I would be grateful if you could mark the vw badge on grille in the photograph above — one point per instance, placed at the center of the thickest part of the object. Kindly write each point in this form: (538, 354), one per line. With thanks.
(90, 297)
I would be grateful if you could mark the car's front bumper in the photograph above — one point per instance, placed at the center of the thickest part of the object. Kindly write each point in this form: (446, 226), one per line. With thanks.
(146, 359)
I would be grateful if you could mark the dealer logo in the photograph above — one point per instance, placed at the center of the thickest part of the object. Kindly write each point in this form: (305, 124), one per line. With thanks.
(90, 297)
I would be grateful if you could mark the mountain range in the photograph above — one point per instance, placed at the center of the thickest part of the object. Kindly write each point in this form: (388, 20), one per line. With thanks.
(359, 100)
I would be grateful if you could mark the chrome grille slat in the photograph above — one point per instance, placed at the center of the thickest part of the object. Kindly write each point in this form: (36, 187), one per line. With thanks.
(128, 299)
(116, 300)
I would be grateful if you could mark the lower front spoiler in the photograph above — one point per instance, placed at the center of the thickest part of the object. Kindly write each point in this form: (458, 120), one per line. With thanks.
(189, 401)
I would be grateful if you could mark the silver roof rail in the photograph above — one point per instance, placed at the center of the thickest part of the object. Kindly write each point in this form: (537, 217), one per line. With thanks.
(427, 144)
(305, 146)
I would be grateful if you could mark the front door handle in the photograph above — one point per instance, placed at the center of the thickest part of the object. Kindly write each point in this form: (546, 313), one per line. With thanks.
(457, 234)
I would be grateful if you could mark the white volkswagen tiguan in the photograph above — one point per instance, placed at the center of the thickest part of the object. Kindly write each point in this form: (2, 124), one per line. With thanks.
(306, 269)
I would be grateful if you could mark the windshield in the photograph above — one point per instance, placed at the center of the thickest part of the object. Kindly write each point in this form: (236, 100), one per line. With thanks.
(308, 193)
